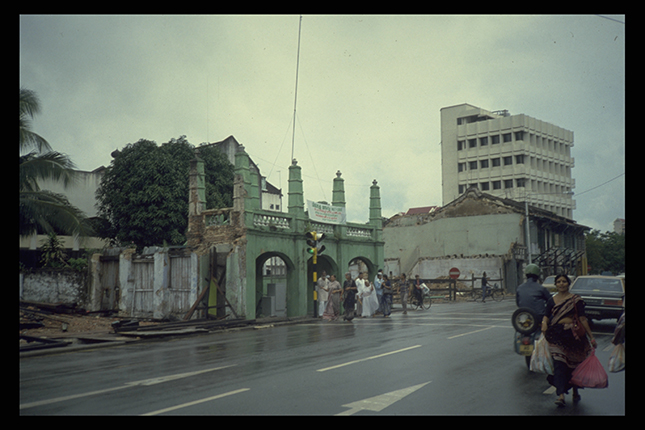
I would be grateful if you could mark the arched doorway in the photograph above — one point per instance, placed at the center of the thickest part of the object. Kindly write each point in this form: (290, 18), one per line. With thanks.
(276, 287)
(361, 264)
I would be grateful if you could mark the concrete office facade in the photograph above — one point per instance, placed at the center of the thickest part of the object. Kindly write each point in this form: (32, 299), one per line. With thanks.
(507, 156)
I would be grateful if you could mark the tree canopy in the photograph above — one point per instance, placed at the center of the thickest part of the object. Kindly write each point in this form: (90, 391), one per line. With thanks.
(143, 195)
(605, 252)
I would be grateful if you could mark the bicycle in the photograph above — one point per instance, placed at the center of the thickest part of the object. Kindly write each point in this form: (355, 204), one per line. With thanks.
(426, 301)
(493, 292)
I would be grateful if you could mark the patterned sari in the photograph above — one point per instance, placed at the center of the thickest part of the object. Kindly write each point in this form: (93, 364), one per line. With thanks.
(567, 350)
(563, 344)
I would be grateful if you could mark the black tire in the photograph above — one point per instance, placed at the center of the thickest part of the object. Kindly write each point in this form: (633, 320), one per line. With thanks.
(525, 321)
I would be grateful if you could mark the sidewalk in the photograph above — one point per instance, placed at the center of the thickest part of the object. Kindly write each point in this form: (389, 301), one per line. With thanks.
(34, 343)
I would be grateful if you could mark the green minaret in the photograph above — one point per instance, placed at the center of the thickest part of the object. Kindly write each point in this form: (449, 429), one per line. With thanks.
(338, 193)
(296, 204)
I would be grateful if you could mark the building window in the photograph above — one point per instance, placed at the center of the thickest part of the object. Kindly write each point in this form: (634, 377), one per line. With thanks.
(496, 162)
(520, 182)
(472, 143)
(483, 164)
(497, 185)
(462, 188)
(461, 167)
(485, 186)
(483, 141)
(472, 165)
(507, 137)
(519, 135)
(508, 161)
(508, 183)
(519, 159)
(494, 139)
(460, 145)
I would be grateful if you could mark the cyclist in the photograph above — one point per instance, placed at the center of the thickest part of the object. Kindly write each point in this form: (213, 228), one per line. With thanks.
(531, 294)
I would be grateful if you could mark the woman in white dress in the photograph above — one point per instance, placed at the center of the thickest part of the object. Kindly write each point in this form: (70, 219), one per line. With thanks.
(368, 296)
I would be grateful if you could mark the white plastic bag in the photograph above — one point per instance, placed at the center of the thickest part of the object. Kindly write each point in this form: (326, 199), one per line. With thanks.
(541, 360)
(617, 359)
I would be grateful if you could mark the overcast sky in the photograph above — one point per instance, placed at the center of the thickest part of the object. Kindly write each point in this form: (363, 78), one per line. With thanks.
(370, 90)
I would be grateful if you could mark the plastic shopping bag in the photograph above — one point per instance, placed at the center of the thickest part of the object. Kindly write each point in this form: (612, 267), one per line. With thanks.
(541, 360)
(590, 374)
(617, 359)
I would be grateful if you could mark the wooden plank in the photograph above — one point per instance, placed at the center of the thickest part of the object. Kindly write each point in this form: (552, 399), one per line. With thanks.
(194, 306)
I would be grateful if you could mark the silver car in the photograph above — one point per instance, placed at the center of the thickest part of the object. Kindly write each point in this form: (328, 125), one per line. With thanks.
(604, 296)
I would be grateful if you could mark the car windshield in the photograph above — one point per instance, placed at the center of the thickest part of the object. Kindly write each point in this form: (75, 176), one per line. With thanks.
(598, 284)
(549, 280)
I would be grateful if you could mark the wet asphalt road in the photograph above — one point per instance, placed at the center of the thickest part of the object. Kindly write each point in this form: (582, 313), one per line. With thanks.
(453, 359)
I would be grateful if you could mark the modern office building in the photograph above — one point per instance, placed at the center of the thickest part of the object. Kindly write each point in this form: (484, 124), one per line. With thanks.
(509, 156)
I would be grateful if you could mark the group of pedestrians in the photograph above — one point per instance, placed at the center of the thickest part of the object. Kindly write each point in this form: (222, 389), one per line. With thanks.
(360, 297)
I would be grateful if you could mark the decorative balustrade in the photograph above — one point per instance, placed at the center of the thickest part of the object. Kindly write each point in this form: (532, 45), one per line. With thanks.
(217, 217)
(275, 221)
(359, 232)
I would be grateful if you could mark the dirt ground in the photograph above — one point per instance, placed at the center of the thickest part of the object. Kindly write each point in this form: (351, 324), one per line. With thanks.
(62, 325)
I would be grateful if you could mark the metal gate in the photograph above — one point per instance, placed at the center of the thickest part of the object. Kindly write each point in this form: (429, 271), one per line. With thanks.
(179, 284)
(109, 275)
(143, 277)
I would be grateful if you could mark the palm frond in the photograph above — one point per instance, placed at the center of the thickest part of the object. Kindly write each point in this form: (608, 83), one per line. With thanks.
(30, 106)
(48, 166)
(51, 211)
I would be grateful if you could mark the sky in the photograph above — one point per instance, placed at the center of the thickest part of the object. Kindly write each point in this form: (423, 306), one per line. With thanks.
(369, 93)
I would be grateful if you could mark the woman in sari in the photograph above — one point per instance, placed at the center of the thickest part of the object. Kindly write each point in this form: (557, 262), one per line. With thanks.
(563, 312)
(332, 310)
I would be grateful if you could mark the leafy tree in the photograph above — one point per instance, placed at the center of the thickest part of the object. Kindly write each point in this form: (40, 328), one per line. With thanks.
(52, 252)
(143, 195)
(42, 210)
(605, 252)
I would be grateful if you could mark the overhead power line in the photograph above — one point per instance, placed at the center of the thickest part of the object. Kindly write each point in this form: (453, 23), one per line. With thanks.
(598, 186)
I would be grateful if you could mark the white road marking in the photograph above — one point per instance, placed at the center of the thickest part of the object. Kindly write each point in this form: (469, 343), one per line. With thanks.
(196, 402)
(368, 358)
(378, 403)
(471, 332)
(145, 382)
(549, 390)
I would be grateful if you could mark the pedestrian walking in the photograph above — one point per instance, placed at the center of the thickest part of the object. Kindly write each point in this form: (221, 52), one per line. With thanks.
(367, 296)
(322, 288)
(403, 293)
(564, 312)
(378, 288)
(386, 297)
(332, 310)
(484, 287)
(349, 297)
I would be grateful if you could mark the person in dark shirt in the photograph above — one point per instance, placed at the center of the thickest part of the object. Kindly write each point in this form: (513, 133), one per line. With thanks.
(531, 294)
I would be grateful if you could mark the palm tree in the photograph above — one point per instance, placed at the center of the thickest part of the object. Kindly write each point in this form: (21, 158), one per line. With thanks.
(42, 209)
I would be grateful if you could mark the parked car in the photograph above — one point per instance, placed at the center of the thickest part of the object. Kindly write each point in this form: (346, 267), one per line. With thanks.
(549, 284)
(604, 296)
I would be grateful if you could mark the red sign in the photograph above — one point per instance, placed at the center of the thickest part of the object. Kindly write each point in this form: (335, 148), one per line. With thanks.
(454, 273)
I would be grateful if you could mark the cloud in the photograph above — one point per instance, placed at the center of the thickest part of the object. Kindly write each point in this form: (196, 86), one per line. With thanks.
(370, 88)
